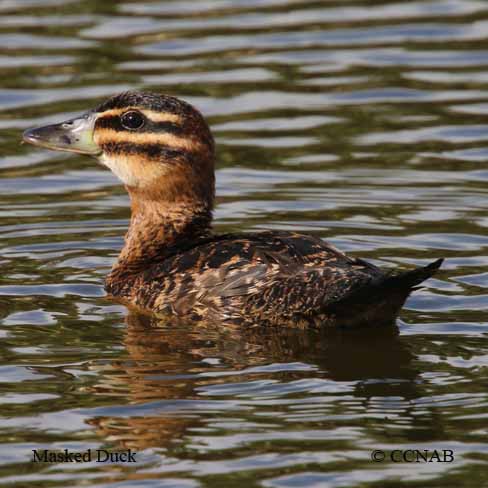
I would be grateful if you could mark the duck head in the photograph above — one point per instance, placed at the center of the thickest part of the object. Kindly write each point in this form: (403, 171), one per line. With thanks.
(160, 147)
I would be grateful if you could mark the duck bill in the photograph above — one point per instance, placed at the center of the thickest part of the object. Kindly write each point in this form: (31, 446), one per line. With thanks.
(74, 135)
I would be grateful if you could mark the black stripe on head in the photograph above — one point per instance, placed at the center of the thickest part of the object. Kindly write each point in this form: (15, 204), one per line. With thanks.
(113, 122)
(149, 101)
(153, 151)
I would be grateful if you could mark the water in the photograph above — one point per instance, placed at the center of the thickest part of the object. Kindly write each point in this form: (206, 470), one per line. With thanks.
(361, 122)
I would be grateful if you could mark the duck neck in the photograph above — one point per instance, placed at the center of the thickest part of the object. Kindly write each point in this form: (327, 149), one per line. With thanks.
(157, 230)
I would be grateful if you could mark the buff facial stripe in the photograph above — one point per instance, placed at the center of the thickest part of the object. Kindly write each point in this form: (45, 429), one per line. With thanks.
(114, 123)
(103, 136)
(149, 114)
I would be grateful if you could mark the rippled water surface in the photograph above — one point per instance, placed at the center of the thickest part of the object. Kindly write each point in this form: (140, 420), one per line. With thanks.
(363, 122)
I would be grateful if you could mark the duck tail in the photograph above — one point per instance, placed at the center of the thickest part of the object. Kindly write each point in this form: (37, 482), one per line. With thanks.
(381, 303)
(409, 280)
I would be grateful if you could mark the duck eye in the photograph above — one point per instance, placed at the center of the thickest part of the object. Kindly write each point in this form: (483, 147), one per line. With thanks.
(132, 120)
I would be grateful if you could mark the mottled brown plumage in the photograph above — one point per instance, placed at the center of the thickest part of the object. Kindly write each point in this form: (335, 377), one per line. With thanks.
(172, 263)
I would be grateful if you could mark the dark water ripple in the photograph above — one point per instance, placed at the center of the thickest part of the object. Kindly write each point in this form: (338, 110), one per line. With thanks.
(361, 122)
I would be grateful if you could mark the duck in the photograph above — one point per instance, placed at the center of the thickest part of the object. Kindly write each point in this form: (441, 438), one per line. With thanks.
(173, 264)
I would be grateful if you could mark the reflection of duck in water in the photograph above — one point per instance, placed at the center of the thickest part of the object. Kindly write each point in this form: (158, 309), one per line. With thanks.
(163, 151)
(182, 379)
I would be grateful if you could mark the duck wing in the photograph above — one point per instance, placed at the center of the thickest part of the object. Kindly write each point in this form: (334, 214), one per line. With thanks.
(339, 296)
(270, 277)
